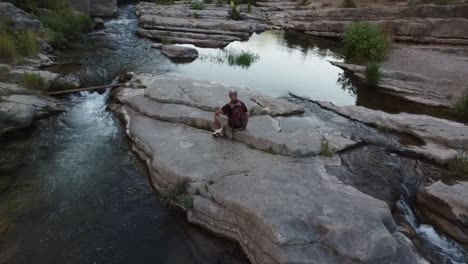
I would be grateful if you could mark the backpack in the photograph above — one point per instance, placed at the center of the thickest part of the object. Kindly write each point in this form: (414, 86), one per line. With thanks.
(237, 119)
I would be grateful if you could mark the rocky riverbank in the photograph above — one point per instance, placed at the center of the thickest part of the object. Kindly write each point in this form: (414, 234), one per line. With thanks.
(267, 187)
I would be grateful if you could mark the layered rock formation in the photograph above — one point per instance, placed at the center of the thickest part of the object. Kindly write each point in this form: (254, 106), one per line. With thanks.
(423, 23)
(443, 139)
(209, 27)
(280, 208)
(446, 206)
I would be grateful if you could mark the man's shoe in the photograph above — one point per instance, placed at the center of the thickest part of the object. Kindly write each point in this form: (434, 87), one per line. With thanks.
(217, 132)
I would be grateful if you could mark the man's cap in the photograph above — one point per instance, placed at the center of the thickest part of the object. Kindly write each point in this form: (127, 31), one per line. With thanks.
(232, 92)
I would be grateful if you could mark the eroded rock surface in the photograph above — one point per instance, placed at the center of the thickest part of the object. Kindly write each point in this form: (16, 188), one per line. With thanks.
(21, 20)
(446, 206)
(209, 27)
(280, 209)
(424, 23)
(18, 111)
(443, 139)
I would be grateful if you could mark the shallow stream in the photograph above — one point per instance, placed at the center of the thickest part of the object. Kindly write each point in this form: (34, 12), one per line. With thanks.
(81, 196)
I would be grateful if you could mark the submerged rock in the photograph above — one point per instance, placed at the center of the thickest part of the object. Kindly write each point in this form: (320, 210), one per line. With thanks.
(179, 53)
(446, 207)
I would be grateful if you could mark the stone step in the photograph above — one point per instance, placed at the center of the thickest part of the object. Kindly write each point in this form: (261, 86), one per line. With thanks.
(205, 43)
(288, 136)
(279, 209)
(239, 34)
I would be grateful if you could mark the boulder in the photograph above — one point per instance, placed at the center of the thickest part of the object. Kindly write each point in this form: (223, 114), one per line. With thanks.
(446, 207)
(66, 82)
(102, 8)
(44, 47)
(279, 209)
(19, 111)
(21, 20)
(98, 23)
(179, 53)
(82, 6)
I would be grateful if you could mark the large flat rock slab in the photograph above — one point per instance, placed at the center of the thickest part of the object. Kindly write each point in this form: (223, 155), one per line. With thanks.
(446, 205)
(289, 136)
(279, 209)
(443, 139)
(210, 96)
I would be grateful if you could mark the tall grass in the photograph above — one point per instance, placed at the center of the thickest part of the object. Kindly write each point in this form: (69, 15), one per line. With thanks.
(365, 42)
(33, 81)
(27, 44)
(7, 49)
(15, 45)
(64, 27)
(461, 106)
(372, 74)
(243, 59)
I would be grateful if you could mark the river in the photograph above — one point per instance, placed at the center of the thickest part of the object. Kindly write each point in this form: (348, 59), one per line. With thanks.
(81, 196)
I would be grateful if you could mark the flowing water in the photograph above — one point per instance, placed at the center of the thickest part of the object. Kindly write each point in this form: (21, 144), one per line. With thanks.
(81, 196)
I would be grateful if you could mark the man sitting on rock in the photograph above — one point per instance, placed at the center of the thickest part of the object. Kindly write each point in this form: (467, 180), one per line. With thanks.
(234, 114)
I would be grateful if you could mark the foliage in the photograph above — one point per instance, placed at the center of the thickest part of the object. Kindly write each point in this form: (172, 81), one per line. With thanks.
(64, 27)
(14, 45)
(383, 128)
(33, 81)
(302, 2)
(220, 2)
(178, 195)
(364, 41)
(460, 163)
(242, 58)
(372, 74)
(234, 14)
(195, 15)
(27, 44)
(461, 107)
(325, 148)
(4, 73)
(349, 4)
(197, 6)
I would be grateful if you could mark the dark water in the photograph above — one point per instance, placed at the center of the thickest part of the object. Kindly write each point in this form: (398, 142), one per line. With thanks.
(81, 196)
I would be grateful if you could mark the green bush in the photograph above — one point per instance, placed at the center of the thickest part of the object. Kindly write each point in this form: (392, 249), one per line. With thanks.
(349, 4)
(65, 27)
(33, 81)
(372, 74)
(197, 6)
(461, 107)
(364, 42)
(178, 195)
(460, 164)
(4, 73)
(244, 58)
(7, 49)
(27, 44)
(234, 14)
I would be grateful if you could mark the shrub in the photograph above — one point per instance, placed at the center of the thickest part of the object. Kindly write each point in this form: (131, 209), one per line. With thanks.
(372, 74)
(33, 81)
(27, 44)
(460, 164)
(178, 195)
(197, 6)
(364, 41)
(7, 48)
(349, 4)
(244, 58)
(4, 73)
(461, 107)
(234, 14)
(65, 26)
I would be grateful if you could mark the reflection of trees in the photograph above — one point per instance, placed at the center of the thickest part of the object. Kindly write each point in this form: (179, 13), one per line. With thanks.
(320, 47)
(347, 82)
